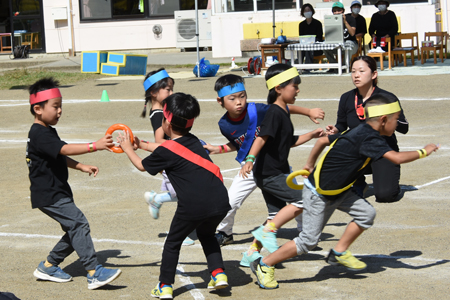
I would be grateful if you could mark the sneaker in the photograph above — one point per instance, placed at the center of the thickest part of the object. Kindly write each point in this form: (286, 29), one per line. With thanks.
(153, 206)
(264, 275)
(188, 242)
(247, 260)
(347, 260)
(220, 281)
(162, 293)
(224, 239)
(267, 239)
(102, 276)
(53, 273)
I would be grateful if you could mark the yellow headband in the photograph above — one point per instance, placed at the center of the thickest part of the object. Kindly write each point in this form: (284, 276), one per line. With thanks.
(385, 109)
(282, 77)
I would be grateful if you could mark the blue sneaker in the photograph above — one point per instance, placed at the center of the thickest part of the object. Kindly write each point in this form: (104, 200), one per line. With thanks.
(153, 206)
(162, 293)
(247, 260)
(267, 239)
(53, 273)
(102, 276)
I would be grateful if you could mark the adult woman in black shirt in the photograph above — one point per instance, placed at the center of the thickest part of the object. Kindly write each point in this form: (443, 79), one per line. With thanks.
(386, 175)
(310, 26)
(383, 23)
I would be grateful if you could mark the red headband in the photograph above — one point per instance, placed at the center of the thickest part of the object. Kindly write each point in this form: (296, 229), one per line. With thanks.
(44, 96)
(169, 116)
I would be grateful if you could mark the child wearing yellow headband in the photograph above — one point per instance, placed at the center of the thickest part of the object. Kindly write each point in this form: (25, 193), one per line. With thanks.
(327, 188)
(270, 152)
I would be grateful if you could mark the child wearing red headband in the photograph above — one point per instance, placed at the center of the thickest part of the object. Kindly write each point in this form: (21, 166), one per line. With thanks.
(202, 197)
(47, 160)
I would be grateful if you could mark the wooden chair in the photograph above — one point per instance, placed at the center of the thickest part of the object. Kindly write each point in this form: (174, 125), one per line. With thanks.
(4, 47)
(360, 40)
(31, 39)
(439, 45)
(383, 54)
(399, 52)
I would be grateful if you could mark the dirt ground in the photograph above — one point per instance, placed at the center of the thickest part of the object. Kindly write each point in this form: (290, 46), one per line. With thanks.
(407, 250)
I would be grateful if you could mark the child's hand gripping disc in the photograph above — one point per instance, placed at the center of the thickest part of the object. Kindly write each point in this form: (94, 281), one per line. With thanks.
(291, 177)
(118, 149)
(203, 143)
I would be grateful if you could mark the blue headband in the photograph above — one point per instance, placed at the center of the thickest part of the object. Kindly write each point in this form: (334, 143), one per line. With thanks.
(155, 78)
(228, 90)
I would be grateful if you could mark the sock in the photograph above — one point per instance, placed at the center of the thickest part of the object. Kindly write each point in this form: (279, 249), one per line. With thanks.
(91, 272)
(162, 284)
(47, 264)
(263, 264)
(165, 197)
(338, 253)
(270, 227)
(216, 271)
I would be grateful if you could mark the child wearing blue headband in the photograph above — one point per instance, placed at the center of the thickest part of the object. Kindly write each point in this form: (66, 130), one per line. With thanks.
(158, 86)
(242, 117)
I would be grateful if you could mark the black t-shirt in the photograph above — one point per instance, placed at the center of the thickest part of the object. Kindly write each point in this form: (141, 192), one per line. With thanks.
(347, 117)
(352, 22)
(201, 194)
(314, 28)
(343, 162)
(273, 157)
(361, 25)
(47, 168)
(156, 118)
(381, 25)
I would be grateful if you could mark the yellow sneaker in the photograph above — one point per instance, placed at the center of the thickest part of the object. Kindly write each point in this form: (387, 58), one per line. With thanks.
(347, 260)
(220, 281)
(264, 275)
(162, 293)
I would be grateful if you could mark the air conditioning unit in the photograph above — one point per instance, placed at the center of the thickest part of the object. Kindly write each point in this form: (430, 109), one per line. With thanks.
(185, 28)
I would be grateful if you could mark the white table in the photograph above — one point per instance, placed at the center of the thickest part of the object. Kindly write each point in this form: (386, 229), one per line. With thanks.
(347, 46)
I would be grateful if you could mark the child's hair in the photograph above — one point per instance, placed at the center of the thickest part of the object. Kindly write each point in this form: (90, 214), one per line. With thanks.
(275, 70)
(375, 100)
(161, 84)
(43, 84)
(370, 61)
(227, 80)
(183, 108)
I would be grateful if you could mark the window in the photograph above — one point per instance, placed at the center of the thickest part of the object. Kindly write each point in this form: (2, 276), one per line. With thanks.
(163, 7)
(94, 9)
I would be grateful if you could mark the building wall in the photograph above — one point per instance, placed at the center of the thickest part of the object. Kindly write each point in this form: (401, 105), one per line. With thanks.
(227, 30)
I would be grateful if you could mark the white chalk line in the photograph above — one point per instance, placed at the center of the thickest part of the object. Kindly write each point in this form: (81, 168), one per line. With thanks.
(186, 280)
(432, 182)
(197, 245)
(12, 103)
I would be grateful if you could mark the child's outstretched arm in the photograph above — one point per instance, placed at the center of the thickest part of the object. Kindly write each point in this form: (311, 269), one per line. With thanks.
(254, 151)
(145, 145)
(315, 152)
(409, 156)
(219, 149)
(127, 147)
(76, 149)
(309, 136)
(73, 164)
(312, 113)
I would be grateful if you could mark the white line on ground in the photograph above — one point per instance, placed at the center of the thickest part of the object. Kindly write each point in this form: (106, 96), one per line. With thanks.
(197, 245)
(432, 182)
(186, 280)
(75, 101)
